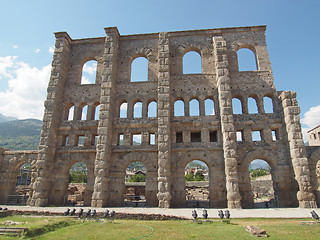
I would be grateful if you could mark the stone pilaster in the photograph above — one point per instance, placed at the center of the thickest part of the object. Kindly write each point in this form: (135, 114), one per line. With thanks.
(103, 155)
(164, 140)
(227, 124)
(298, 154)
(40, 184)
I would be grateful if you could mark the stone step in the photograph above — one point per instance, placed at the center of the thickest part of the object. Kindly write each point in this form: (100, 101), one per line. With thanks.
(12, 231)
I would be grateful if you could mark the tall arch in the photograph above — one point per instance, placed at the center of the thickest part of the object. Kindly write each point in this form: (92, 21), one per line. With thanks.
(268, 104)
(237, 107)
(151, 186)
(246, 60)
(192, 63)
(194, 107)
(252, 105)
(152, 109)
(137, 110)
(139, 70)
(123, 110)
(209, 107)
(89, 70)
(179, 108)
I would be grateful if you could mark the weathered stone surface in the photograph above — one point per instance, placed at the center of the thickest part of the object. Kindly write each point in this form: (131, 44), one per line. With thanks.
(168, 142)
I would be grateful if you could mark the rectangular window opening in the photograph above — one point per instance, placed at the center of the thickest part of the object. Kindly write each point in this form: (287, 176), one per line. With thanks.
(120, 139)
(65, 141)
(152, 138)
(275, 136)
(213, 136)
(81, 141)
(239, 135)
(95, 140)
(256, 136)
(179, 138)
(195, 136)
(136, 139)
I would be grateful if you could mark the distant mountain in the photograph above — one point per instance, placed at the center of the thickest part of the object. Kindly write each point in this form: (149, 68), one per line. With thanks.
(4, 118)
(256, 164)
(20, 134)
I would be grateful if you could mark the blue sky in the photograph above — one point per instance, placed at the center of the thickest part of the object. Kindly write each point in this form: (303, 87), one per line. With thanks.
(27, 29)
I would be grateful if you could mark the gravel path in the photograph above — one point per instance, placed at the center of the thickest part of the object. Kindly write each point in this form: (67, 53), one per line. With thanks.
(186, 212)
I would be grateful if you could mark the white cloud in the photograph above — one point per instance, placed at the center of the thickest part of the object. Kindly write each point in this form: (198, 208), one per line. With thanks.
(85, 80)
(27, 88)
(90, 67)
(15, 46)
(37, 50)
(51, 49)
(311, 119)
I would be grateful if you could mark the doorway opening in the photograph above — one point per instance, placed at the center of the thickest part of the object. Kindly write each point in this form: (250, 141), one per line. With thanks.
(135, 181)
(262, 184)
(77, 185)
(197, 184)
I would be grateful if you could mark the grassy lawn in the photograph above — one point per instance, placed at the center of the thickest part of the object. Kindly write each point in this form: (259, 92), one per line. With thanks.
(66, 228)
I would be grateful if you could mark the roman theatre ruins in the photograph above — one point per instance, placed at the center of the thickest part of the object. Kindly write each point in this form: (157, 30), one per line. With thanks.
(107, 124)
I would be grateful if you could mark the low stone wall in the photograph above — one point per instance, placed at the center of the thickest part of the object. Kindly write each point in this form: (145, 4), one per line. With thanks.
(262, 188)
(135, 216)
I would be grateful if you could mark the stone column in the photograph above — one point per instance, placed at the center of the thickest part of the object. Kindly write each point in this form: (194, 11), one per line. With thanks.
(40, 187)
(227, 124)
(298, 154)
(103, 155)
(164, 140)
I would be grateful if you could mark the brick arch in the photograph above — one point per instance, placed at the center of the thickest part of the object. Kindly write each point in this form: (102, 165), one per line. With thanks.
(122, 163)
(142, 52)
(262, 154)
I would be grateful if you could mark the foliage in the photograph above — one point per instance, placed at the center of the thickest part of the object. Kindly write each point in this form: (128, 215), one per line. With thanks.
(258, 173)
(20, 134)
(138, 178)
(78, 177)
(79, 166)
(137, 166)
(190, 177)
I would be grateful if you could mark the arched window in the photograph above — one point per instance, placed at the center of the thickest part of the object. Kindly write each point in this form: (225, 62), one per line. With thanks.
(84, 112)
(96, 112)
(246, 60)
(152, 109)
(123, 110)
(89, 71)
(192, 63)
(209, 107)
(137, 110)
(252, 105)
(178, 108)
(71, 113)
(236, 106)
(194, 108)
(268, 105)
(139, 70)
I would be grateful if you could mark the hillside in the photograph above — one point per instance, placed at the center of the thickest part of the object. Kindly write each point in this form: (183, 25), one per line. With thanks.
(20, 134)
(6, 119)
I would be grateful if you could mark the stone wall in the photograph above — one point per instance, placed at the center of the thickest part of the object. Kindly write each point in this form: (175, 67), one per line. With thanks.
(216, 143)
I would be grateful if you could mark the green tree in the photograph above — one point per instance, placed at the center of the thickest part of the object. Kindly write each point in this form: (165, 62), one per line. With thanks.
(78, 177)
(199, 176)
(258, 173)
(138, 178)
(189, 177)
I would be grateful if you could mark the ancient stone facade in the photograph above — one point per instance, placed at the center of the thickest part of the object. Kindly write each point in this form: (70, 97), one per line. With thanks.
(314, 136)
(222, 139)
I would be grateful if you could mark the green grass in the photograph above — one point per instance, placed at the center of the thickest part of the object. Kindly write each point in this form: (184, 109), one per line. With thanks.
(173, 229)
